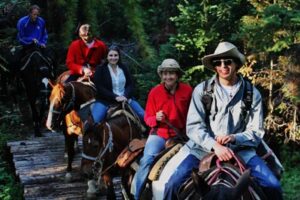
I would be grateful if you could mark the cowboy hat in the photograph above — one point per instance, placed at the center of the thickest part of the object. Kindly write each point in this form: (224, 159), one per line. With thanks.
(224, 49)
(169, 64)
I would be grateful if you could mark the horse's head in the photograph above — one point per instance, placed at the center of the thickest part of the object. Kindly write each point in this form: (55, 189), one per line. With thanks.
(103, 143)
(221, 190)
(92, 143)
(59, 106)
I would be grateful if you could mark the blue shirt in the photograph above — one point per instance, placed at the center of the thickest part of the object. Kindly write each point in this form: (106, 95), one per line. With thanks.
(29, 30)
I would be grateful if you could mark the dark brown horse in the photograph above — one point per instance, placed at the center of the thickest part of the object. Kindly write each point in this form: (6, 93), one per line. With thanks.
(103, 144)
(221, 181)
(63, 99)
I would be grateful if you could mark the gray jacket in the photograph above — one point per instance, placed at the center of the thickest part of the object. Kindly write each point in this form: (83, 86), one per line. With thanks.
(225, 120)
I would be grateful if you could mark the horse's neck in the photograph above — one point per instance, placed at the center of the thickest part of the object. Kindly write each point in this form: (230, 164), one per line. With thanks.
(83, 94)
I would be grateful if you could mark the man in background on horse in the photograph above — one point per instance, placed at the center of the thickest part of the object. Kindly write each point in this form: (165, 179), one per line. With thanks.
(223, 129)
(32, 31)
(85, 53)
(165, 114)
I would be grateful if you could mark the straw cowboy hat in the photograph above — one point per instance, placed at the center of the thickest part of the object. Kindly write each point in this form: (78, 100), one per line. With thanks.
(169, 64)
(224, 49)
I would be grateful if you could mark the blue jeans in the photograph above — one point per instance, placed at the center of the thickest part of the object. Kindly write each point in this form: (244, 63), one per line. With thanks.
(99, 110)
(182, 173)
(153, 147)
(262, 174)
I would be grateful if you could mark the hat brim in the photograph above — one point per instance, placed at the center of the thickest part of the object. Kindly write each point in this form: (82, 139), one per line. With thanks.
(181, 72)
(206, 60)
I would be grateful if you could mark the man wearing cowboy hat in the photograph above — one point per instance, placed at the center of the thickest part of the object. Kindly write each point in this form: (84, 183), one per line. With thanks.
(224, 130)
(165, 113)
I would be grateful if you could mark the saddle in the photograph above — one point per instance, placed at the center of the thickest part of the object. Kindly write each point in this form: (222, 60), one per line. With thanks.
(128, 155)
(162, 161)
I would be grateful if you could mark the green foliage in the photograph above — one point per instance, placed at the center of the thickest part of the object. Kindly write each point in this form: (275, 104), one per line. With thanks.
(202, 25)
(135, 22)
(9, 189)
(291, 177)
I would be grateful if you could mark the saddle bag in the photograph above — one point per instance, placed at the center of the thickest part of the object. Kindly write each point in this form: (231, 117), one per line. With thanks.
(129, 154)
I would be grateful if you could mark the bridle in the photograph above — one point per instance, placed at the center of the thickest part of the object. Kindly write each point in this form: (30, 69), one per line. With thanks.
(97, 168)
(71, 103)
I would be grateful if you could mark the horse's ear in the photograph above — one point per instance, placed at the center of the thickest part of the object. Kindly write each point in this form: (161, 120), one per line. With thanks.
(201, 187)
(51, 83)
(242, 184)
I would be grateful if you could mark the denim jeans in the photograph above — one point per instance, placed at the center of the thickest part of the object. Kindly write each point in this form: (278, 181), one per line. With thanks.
(182, 173)
(99, 110)
(262, 174)
(153, 147)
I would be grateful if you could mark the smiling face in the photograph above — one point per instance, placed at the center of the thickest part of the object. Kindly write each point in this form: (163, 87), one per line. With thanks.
(226, 69)
(169, 78)
(113, 57)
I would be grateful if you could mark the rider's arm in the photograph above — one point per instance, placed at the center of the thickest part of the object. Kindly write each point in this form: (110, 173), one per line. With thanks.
(129, 83)
(21, 35)
(150, 110)
(44, 34)
(254, 130)
(197, 129)
(102, 80)
(72, 58)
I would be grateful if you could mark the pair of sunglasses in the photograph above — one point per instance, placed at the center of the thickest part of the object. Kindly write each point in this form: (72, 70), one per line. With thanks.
(216, 63)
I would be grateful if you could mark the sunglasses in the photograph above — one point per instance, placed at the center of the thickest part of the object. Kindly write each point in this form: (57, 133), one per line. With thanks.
(216, 63)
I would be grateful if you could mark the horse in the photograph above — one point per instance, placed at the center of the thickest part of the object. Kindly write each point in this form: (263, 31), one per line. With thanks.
(63, 99)
(103, 144)
(218, 180)
(221, 180)
(35, 72)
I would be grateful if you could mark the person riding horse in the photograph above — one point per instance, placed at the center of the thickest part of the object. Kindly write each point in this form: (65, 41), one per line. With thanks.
(32, 33)
(165, 113)
(224, 128)
(84, 55)
(114, 85)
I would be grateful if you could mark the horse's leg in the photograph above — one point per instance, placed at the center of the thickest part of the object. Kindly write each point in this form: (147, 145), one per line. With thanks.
(70, 139)
(35, 116)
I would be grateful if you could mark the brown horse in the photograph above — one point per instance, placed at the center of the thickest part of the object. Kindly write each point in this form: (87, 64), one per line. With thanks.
(103, 144)
(64, 99)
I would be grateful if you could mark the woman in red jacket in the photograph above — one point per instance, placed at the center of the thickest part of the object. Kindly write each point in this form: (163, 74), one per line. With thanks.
(85, 54)
(166, 108)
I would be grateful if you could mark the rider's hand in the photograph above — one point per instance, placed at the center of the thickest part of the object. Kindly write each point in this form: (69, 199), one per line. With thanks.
(160, 116)
(223, 153)
(224, 139)
(121, 98)
(35, 41)
(86, 71)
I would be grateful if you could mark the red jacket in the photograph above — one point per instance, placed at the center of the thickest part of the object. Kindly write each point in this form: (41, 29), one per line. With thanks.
(175, 108)
(79, 54)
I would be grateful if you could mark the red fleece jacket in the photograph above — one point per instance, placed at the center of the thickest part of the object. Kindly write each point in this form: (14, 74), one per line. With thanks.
(79, 54)
(175, 108)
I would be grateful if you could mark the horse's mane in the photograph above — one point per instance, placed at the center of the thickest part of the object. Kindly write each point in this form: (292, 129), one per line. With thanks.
(57, 93)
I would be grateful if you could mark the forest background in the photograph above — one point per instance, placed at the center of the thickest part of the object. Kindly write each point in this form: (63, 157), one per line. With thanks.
(149, 31)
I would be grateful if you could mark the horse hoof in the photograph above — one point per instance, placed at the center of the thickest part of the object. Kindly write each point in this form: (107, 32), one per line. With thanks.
(91, 196)
(68, 177)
